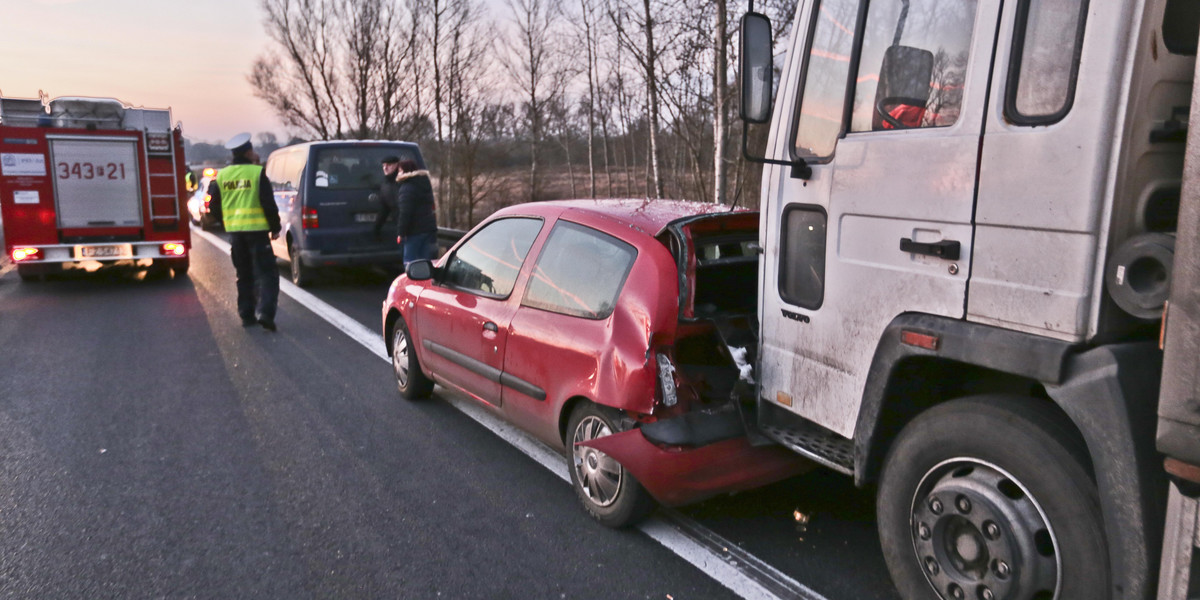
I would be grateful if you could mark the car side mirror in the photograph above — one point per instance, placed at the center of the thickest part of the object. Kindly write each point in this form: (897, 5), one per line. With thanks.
(905, 79)
(419, 270)
(755, 67)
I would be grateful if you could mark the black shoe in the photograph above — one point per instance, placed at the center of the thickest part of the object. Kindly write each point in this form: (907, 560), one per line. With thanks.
(249, 322)
(268, 324)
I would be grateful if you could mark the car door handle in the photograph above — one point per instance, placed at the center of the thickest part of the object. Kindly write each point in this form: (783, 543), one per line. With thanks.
(947, 249)
(490, 326)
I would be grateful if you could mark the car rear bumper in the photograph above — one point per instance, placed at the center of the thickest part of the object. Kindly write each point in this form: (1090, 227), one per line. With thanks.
(677, 475)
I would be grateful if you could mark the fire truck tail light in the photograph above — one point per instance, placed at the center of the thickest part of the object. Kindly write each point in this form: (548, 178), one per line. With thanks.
(174, 249)
(309, 220)
(26, 254)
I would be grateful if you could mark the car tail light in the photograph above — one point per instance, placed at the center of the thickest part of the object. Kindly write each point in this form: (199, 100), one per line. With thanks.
(174, 249)
(26, 254)
(666, 380)
(309, 220)
(209, 172)
(207, 201)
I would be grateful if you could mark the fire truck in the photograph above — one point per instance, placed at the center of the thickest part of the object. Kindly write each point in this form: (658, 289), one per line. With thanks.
(91, 180)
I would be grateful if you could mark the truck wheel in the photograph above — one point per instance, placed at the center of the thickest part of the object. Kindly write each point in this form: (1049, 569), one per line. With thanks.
(30, 274)
(608, 492)
(302, 276)
(410, 379)
(989, 497)
(180, 266)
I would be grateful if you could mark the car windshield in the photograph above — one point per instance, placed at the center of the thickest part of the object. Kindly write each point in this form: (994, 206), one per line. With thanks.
(356, 167)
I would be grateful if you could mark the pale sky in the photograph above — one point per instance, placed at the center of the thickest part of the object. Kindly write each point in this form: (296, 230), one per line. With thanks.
(189, 56)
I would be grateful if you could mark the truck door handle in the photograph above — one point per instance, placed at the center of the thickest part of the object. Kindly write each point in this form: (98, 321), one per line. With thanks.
(947, 249)
(490, 326)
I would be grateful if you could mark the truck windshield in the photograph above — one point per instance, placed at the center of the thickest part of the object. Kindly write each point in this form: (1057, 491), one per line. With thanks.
(357, 167)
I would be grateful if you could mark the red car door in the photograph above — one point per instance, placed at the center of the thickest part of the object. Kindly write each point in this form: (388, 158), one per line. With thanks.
(463, 317)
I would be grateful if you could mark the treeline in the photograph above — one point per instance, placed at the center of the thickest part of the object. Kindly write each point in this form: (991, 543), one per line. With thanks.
(534, 100)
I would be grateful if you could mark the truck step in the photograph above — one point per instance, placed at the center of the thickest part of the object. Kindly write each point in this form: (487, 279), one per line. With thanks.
(807, 438)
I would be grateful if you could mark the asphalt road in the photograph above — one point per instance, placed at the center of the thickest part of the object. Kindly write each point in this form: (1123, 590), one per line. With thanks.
(155, 448)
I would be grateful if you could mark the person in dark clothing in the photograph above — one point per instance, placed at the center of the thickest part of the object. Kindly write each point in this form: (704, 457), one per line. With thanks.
(387, 192)
(242, 199)
(416, 224)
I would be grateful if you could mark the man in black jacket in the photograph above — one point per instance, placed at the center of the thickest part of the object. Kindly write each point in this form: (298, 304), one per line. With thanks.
(416, 224)
(387, 192)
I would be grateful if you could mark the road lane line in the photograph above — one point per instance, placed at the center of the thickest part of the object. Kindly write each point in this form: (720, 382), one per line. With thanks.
(738, 570)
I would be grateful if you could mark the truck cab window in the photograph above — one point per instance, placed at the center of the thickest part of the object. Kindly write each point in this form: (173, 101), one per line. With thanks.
(1046, 48)
(913, 64)
(823, 98)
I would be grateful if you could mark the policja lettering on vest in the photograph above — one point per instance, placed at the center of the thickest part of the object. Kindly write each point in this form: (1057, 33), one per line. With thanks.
(242, 199)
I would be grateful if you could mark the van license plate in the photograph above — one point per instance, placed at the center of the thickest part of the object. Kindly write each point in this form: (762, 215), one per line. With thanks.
(102, 251)
(365, 217)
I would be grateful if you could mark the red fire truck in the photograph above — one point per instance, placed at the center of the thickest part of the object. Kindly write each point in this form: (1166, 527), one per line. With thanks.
(87, 180)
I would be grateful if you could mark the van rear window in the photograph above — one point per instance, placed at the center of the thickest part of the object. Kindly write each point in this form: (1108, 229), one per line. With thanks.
(356, 167)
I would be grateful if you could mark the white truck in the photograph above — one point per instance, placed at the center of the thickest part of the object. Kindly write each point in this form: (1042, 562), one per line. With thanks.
(968, 221)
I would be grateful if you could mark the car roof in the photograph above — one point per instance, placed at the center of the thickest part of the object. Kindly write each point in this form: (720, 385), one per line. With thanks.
(648, 215)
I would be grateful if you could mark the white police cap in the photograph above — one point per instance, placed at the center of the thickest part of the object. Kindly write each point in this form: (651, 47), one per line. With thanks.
(237, 142)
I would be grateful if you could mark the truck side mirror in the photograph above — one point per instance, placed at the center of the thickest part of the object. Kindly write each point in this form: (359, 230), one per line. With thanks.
(905, 79)
(756, 65)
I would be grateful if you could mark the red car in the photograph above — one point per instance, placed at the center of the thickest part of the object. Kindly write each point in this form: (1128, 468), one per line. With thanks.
(612, 330)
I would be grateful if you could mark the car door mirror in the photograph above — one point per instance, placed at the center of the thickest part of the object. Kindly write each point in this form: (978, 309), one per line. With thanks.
(419, 270)
(905, 79)
(755, 67)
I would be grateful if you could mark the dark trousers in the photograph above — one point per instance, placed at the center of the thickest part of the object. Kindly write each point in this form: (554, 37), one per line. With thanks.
(257, 274)
(420, 245)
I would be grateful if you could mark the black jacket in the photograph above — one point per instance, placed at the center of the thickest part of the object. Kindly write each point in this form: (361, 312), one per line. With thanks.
(387, 202)
(414, 204)
(266, 197)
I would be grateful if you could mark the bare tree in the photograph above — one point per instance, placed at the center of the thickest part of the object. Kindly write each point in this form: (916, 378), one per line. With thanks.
(299, 82)
(534, 64)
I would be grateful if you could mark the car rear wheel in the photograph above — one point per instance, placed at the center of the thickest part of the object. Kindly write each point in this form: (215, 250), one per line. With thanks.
(410, 379)
(989, 497)
(302, 276)
(608, 492)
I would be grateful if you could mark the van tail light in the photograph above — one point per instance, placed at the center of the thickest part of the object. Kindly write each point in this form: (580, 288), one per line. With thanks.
(173, 249)
(26, 254)
(309, 220)
(666, 380)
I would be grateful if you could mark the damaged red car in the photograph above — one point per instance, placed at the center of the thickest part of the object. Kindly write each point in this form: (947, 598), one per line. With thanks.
(620, 332)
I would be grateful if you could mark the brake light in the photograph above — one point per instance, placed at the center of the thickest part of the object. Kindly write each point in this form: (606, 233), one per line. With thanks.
(309, 220)
(26, 254)
(207, 201)
(174, 249)
(210, 172)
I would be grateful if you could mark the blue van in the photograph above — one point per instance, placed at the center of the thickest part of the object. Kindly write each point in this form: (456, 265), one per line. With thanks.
(328, 203)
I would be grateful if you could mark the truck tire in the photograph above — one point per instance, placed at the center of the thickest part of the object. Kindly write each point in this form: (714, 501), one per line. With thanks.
(30, 273)
(989, 497)
(179, 266)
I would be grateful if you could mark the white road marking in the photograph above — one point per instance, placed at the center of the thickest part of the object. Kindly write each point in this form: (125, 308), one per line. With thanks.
(741, 572)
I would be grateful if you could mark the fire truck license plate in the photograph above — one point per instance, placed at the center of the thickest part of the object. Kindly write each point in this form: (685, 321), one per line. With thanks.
(102, 251)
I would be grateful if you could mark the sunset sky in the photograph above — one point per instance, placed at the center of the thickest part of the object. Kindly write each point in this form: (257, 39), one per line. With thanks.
(190, 56)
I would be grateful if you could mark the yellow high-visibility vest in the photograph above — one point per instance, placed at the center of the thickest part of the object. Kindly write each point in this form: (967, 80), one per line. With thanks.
(240, 206)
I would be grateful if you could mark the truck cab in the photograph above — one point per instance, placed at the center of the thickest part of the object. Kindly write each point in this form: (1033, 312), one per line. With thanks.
(967, 220)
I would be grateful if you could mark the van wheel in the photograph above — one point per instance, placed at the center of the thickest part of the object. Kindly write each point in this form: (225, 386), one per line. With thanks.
(608, 492)
(989, 497)
(410, 379)
(302, 276)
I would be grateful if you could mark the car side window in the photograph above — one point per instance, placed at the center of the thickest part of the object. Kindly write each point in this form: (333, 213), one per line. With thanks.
(826, 73)
(913, 64)
(588, 288)
(489, 261)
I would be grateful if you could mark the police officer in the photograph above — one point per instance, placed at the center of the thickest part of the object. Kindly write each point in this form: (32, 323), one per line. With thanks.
(242, 199)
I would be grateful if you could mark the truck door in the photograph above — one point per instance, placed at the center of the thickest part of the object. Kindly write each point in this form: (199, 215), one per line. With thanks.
(887, 108)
